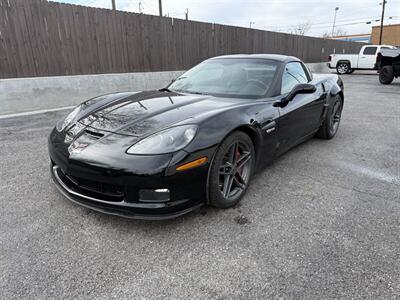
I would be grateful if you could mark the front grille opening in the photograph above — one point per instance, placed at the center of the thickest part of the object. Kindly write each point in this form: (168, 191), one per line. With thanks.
(95, 189)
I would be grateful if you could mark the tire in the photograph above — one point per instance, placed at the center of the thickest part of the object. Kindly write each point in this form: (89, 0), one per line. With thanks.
(342, 68)
(386, 75)
(350, 71)
(330, 125)
(228, 182)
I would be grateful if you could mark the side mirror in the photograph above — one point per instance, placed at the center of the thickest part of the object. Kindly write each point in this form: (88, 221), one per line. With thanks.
(301, 88)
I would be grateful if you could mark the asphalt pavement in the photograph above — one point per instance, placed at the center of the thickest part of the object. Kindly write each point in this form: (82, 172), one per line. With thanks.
(321, 222)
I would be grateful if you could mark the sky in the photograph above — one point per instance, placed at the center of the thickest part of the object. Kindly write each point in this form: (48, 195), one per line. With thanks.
(272, 15)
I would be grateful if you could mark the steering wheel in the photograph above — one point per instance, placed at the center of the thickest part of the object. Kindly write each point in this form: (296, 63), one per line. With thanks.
(259, 83)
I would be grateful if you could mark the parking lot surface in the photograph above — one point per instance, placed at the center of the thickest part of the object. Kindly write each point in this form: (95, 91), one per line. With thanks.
(323, 221)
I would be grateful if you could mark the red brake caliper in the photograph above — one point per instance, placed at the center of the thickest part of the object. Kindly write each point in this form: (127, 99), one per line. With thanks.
(238, 170)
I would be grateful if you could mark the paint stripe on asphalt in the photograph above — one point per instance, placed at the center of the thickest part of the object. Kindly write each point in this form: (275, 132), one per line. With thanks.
(35, 112)
(375, 174)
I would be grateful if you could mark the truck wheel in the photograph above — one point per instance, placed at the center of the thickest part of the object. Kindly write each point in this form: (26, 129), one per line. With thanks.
(386, 75)
(342, 68)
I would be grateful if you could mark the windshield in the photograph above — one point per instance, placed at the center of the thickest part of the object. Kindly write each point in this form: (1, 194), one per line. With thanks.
(228, 77)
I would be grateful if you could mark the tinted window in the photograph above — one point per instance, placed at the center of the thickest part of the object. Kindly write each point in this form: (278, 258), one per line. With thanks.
(293, 74)
(369, 50)
(228, 77)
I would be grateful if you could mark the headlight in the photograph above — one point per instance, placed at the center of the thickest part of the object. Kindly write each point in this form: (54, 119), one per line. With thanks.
(62, 124)
(166, 141)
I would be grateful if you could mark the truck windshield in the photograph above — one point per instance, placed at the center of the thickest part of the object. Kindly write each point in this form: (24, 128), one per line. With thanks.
(228, 77)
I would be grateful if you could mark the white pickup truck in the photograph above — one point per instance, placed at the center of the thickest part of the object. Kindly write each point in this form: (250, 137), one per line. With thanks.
(365, 60)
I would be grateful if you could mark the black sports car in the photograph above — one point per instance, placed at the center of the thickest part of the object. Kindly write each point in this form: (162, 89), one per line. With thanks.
(159, 154)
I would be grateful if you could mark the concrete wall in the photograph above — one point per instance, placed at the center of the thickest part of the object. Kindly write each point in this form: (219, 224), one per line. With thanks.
(319, 68)
(30, 94)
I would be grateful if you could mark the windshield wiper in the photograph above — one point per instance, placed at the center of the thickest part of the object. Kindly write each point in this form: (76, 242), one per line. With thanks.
(185, 92)
(197, 93)
(165, 90)
(179, 78)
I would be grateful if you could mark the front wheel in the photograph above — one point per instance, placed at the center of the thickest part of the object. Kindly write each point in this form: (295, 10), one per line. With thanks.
(231, 170)
(331, 122)
(386, 75)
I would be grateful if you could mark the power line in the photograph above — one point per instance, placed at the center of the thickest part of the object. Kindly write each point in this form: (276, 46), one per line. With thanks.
(340, 22)
(337, 24)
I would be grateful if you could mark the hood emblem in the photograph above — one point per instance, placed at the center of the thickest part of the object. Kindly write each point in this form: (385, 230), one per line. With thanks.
(77, 147)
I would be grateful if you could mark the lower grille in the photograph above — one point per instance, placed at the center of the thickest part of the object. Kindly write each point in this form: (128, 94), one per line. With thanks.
(98, 190)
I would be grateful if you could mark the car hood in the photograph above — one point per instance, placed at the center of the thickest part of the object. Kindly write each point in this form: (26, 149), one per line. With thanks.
(140, 114)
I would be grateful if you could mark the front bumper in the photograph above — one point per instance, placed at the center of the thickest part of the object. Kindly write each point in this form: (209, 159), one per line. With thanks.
(118, 190)
(143, 211)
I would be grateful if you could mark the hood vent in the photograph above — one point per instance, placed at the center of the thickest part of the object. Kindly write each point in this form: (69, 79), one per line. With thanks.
(94, 134)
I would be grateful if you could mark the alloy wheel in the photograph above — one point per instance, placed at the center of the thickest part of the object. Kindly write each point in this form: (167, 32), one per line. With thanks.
(335, 116)
(343, 68)
(235, 170)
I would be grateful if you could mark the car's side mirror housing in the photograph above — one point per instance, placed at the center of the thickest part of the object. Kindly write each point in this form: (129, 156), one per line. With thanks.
(301, 88)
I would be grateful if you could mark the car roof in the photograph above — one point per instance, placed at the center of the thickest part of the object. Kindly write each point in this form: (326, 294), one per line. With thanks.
(276, 57)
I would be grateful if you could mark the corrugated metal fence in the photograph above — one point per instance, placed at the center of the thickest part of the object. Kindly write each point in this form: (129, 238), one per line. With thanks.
(40, 38)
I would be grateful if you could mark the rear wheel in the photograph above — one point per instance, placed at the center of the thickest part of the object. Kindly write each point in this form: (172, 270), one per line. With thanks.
(231, 170)
(331, 122)
(386, 75)
(342, 68)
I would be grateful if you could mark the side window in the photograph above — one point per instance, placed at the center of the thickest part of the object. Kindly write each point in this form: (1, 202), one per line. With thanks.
(369, 50)
(293, 74)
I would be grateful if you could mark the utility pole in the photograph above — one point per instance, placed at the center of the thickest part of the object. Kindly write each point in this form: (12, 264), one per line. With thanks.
(140, 7)
(334, 21)
(252, 23)
(187, 14)
(113, 4)
(383, 15)
(160, 7)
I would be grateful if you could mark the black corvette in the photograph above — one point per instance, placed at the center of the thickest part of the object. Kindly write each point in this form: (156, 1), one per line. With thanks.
(160, 154)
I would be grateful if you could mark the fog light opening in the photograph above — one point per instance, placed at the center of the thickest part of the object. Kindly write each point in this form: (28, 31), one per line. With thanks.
(157, 195)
